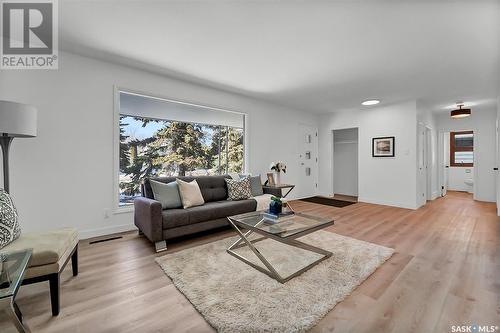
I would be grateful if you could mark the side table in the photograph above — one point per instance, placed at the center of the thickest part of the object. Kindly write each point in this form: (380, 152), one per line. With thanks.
(12, 268)
(277, 190)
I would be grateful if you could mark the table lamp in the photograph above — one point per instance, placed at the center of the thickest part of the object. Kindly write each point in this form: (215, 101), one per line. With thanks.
(16, 121)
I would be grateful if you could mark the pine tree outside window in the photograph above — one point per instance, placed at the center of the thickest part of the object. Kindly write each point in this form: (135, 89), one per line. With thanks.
(152, 147)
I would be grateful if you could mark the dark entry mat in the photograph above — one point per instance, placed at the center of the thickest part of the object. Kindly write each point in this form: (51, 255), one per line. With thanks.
(328, 201)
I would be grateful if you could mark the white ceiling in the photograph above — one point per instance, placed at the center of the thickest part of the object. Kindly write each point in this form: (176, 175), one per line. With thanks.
(317, 56)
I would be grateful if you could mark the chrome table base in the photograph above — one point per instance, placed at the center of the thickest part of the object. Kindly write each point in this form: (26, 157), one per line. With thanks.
(269, 269)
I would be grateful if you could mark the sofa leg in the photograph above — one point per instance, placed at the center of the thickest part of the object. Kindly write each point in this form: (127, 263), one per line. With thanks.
(54, 283)
(140, 233)
(74, 262)
(161, 246)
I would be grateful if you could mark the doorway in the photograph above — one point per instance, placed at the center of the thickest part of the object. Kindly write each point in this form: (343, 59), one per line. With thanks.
(424, 187)
(457, 170)
(345, 163)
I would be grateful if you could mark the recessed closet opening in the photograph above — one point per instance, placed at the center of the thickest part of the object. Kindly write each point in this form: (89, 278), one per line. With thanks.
(345, 163)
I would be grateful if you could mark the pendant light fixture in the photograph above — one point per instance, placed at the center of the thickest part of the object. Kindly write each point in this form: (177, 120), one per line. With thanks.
(460, 113)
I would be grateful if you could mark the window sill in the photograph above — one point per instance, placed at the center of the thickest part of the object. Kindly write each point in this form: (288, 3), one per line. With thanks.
(123, 210)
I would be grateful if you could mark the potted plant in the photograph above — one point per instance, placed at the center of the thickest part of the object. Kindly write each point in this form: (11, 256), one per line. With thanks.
(278, 167)
(275, 206)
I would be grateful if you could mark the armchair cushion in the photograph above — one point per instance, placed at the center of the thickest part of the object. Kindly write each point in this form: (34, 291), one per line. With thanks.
(48, 247)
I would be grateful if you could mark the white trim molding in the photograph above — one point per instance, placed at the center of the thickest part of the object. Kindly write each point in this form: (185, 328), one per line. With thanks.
(406, 205)
(90, 233)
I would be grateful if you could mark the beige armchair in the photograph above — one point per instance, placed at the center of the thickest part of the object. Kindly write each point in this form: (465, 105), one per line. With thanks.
(51, 252)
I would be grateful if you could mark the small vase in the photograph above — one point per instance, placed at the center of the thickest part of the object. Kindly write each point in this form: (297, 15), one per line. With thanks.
(278, 178)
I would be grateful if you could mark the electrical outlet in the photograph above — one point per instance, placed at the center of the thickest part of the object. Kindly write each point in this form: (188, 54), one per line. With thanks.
(107, 213)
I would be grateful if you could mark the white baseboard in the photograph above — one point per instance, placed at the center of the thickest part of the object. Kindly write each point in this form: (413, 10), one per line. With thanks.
(387, 203)
(90, 233)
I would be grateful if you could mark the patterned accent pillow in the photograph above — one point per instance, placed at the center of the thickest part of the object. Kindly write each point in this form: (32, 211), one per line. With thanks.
(9, 225)
(238, 189)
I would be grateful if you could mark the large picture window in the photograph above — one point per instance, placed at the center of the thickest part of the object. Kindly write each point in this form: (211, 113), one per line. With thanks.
(153, 147)
(462, 149)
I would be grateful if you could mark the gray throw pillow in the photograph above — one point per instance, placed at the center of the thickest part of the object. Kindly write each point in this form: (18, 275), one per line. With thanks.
(167, 194)
(256, 186)
(9, 224)
(238, 189)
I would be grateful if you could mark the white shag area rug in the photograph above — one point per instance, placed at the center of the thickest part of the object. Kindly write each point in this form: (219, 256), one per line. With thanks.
(234, 297)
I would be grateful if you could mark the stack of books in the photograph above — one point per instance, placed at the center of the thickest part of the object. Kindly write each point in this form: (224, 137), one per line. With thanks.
(274, 218)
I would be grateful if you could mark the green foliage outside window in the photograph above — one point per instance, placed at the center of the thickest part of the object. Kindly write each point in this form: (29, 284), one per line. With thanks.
(150, 147)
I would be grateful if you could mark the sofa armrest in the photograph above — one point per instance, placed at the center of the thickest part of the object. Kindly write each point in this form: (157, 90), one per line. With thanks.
(148, 218)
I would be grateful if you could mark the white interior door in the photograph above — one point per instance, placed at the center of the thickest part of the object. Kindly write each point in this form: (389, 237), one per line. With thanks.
(308, 161)
(428, 162)
(444, 157)
(422, 179)
(497, 177)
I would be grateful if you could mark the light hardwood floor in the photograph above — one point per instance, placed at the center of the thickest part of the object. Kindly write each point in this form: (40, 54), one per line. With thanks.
(446, 271)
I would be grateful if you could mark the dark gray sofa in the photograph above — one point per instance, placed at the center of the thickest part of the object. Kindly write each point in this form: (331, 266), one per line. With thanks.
(160, 225)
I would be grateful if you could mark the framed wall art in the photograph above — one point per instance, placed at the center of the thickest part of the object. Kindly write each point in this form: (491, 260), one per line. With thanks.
(383, 146)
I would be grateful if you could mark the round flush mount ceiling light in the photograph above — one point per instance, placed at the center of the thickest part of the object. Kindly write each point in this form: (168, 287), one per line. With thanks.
(371, 102)
(460, 113)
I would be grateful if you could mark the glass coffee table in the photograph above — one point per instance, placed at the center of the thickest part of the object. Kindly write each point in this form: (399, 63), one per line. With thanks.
(285, 230)
(12, 268)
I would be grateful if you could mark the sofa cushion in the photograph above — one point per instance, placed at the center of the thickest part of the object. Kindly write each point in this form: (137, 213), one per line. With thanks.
(167, 194)
(213, 188)
(229, 208)
(173, 218)
(238, 189)
(256, 185)
(190, 193)
(202, 213)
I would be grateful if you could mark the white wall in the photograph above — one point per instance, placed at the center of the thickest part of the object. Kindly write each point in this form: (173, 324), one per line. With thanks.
(389, 181)
(483, 123)
(345, 157)
(64, 177)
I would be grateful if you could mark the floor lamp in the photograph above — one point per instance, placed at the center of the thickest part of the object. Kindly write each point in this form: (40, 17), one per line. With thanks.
(16, 121)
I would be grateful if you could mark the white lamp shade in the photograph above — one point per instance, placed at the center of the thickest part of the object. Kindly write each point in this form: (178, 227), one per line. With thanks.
(17, 120)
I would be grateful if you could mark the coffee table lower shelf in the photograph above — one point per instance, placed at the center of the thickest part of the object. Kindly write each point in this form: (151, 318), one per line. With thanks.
(269, 269)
